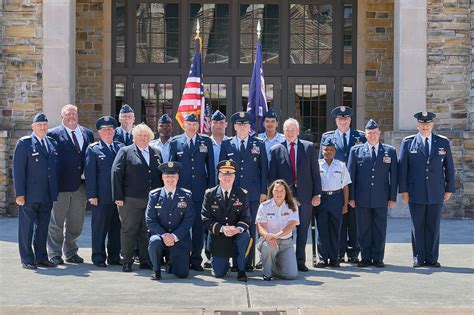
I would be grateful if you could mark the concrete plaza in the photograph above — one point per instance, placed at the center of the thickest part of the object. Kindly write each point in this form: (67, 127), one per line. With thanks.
(398, 288)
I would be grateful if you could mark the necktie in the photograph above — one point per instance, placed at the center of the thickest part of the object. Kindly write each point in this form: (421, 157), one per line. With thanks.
(127, 138)
(242, 146)
(344, 139)
(76, 143)
(293, 162)
(112, 148)
(427, 147)
(226, 199)
(191, 145)
(374, 157)
(170, 196)
(44, 145)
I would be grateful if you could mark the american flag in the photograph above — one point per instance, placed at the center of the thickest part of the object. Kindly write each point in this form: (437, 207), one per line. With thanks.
(192, 100)
(257, 104)
(207, 115)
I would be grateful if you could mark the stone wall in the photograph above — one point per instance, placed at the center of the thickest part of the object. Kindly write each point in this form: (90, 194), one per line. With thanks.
(379, 62)
(21, 81)
(89, 60)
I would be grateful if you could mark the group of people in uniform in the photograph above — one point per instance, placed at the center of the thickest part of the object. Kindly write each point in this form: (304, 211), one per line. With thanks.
(160, 200)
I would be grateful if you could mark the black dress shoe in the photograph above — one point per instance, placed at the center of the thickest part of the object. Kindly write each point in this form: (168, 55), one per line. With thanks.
(334, 263)
(321, 264)
(76, 259)
(57, 260)
(259, 266)
(114, 262)
(196, 267)
(379, 264)
(353, 260)
(207, 265)
(46, 264)
(241, 276)
(364, 263)
(156, 275)
(302, 268)
(434, 265)
(341, 259)
(417, 265)
(127, 267)
(169, 268)
(29, 266)
(100, 264)
(265, 278)
(145, 265)
(249, 268)
(233, 269)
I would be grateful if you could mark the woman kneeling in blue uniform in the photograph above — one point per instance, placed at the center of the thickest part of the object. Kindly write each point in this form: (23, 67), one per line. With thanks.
(276, 220)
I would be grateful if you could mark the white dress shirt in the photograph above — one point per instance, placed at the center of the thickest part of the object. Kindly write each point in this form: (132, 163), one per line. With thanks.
(78, 133)
(334, 176)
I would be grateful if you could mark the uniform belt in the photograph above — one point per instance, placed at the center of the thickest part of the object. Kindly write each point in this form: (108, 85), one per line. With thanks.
(332, 192)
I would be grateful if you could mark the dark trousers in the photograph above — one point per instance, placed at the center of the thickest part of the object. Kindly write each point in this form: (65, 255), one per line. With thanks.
(197, 235)
(371, 232)
(133, 229)
(105, 224)
(220, 265)
(253, 205)
(425, 232)
(33, 222)
(179, 256)
(305, 213)
(329, 222)
(349, 235)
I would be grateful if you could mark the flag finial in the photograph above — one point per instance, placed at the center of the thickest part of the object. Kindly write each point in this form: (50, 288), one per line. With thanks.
(259, 29)
(197, 27)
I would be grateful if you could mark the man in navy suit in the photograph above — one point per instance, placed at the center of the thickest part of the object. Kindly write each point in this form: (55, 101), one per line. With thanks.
(426, 181)
(169, 216)
(374, 172)
(67, 217)
(36, 187)
(252, 169)
(123, 133)
(194, 151)
(105, 221)
(345, 138)
(296, 162)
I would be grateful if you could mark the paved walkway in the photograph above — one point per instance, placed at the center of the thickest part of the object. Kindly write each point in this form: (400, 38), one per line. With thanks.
(397, 289)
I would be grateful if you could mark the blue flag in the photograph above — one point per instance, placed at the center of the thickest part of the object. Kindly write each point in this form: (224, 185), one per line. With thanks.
(257, 104)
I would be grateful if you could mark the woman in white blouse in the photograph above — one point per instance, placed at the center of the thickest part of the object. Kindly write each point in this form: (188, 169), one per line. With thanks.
(276, 219)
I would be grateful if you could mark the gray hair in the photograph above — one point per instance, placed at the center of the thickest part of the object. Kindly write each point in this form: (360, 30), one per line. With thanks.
(291, 121)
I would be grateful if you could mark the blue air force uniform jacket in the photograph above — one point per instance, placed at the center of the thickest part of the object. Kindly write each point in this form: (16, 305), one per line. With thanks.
(426, 178)
(197, 173)
(97, 170)
(175, 216)
(252, 170)
(120, 136)
(35, 170)
(373, 184)
(71, 162)
(132, 176)
(216, 214)
(355, 137)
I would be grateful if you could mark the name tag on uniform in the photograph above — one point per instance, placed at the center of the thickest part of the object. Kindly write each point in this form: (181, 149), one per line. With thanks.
(285, 214)
(35, 154)
(441, 151)
(230, 154)
(387, 159)
(413, 151)
(179, 153)
(158, 206)
(182, 204)
(202, 149)
(215, 207)
(338, 172)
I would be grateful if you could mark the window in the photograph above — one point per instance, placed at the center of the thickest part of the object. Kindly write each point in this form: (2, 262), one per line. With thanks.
(347, 92)
(310, 109)
(311, 32)
(157, 33)
(347, 33)
(214, 31)
(216, 94)
(156, 100)
(268, 15)
(119, 93)
(246, 92)
(120, 28)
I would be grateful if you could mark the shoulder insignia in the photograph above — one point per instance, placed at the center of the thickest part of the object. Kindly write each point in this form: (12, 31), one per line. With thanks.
(329, 132)
(25, 138)
(409, 137)
(266, 202)
(156, 190)
(186, 190)
(93, 144)
(244, 190)
(442, 137)
(361, 132)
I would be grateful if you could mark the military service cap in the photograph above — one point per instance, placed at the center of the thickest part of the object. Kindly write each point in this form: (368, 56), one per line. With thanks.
(371, 124)
(106, 121)
(425, 117)
(40, 117)
(241, 118)
(126, 109)
(170, 168)
(341, 111)
(217, 116)
(227, 167)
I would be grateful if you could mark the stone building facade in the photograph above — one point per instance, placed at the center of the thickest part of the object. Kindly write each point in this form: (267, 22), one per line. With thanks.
(412, 55)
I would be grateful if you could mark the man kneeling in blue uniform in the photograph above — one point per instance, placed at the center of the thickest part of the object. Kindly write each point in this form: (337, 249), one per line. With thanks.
(225, 213)
(169, 217)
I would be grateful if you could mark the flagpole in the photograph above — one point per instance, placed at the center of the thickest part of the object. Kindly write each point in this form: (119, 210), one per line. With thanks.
(201, 116)
(259, 29)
